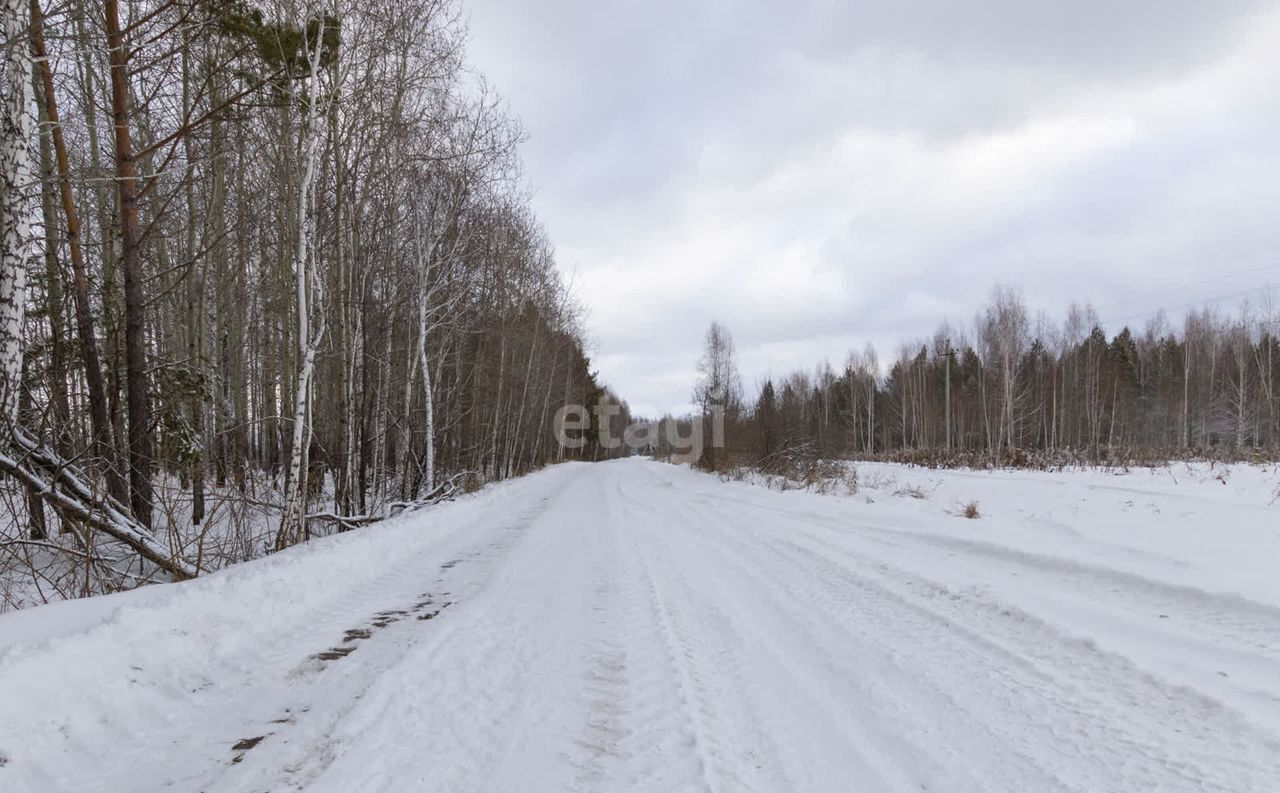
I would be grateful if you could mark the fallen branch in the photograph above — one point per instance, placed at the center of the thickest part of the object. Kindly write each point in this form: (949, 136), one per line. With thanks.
(53, 546)
(68, 491)
(445, 491)
(346, 522)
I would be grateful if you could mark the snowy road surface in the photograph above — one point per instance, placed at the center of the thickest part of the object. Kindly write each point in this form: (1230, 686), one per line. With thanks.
(635, 626)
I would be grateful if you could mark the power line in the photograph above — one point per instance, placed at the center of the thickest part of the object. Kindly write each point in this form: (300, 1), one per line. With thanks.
(1190, 304)
(1215, 279)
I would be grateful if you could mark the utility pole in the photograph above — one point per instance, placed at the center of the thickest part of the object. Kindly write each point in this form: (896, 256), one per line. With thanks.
(949, 353)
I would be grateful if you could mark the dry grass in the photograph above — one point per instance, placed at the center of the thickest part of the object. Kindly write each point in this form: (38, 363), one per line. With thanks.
(911, 491)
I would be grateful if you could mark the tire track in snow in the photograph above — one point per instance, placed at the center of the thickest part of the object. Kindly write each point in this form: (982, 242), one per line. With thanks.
(1223, 644)
(648, 732)
(731, 752)
(321, 695)
(1228, 619)
(1096, 700)
(500, 690)
(1225, 616)
(213, 713)
(461, 712)
(786, 726)
(1096, 721)
(846, 680)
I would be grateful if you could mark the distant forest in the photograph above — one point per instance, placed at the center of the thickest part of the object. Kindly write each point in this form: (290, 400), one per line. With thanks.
(1021, 391)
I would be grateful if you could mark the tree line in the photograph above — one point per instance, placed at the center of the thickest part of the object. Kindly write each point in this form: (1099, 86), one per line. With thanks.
(1011, 389)
(262, 254)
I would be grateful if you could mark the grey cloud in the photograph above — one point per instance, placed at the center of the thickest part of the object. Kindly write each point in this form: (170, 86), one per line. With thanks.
(886, 155)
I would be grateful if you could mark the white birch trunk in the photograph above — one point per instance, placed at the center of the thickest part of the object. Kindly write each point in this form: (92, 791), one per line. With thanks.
(405, 442)
(306, 285)
(18, 179)
(424, 360)
(424, 364)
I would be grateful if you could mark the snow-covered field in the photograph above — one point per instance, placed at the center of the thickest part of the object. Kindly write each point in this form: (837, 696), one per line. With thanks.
(635, 626)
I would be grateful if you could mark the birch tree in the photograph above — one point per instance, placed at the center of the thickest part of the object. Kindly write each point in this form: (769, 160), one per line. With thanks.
(308, 288)
(18, 172)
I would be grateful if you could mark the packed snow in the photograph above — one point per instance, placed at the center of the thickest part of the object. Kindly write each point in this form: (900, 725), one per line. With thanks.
(637, 626)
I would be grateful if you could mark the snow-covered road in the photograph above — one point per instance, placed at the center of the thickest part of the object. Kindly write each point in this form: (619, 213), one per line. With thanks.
(635, 626)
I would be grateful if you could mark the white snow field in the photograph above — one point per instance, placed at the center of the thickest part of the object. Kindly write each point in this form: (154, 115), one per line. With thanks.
(636, 626)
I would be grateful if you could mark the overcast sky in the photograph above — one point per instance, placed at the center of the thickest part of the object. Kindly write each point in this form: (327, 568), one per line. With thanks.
(823, 173)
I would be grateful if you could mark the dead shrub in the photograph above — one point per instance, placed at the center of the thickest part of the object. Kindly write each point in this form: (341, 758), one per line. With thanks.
(850, 480)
